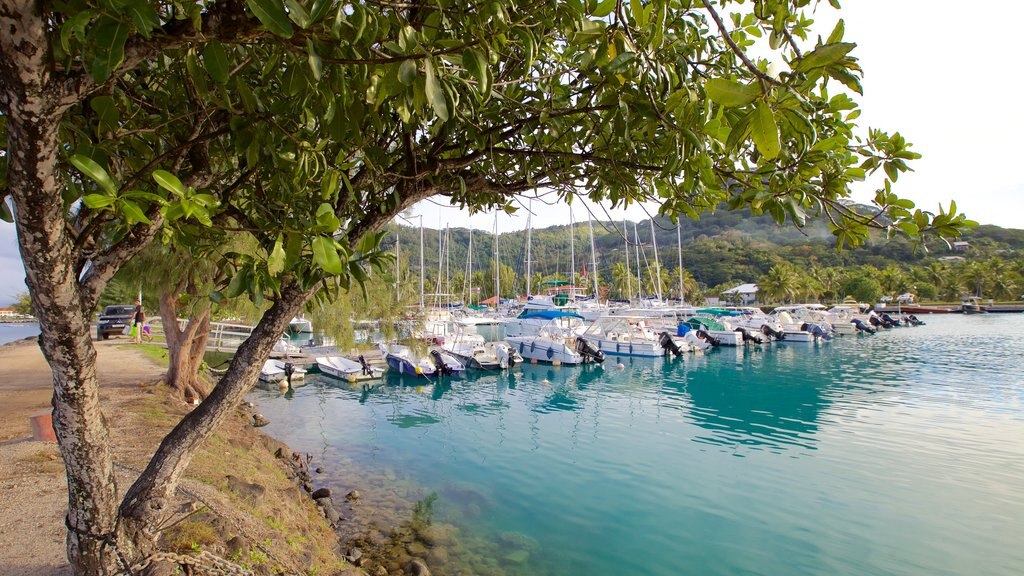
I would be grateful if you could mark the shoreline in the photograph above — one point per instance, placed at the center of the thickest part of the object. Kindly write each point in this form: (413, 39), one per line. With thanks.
(248, 493)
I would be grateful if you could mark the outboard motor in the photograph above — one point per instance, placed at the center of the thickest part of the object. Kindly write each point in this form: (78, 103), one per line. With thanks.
(587, 350)
(815, 330)
(443, 368)
(749, 336)
(708, 337)
(289, 369)
(861, 326)
(875, 321)
(913, 320)
(668, 344)
(767, 330)
(367, 370)
(888, 321)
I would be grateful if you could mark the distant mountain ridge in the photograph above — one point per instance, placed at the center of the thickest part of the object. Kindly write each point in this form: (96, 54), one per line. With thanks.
(722, 247)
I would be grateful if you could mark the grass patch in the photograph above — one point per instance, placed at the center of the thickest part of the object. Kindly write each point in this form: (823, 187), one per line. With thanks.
(190, 536)
(44, 462)
(155, 353)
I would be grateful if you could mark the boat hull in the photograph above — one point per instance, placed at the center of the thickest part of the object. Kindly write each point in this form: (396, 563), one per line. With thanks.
(546, 350)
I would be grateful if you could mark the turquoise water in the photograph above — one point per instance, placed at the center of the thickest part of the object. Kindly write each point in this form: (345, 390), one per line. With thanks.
(901, 453)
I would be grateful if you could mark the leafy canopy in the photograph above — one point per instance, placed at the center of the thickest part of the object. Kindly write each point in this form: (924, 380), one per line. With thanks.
(308, 124)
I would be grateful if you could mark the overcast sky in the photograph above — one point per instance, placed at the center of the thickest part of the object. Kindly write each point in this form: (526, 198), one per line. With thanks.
(950, 86)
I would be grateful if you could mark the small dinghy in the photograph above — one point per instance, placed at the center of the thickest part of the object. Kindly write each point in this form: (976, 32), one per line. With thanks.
(278, 370)
(347, 369)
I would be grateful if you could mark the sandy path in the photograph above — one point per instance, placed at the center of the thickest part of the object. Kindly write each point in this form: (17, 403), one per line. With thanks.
(33, 489)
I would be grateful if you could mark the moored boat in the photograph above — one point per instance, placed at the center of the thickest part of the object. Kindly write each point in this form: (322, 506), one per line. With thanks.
(347, 369)
(402, 360)
(278, 370)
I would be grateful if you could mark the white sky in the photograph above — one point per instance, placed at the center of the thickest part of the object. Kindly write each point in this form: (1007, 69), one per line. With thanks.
(950, 86)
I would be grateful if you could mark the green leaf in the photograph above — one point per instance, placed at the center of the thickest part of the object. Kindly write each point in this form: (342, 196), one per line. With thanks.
(75, 27)
(764, 132)
(325, 255)
(5, 210)
(731, 93)
(94, 201)
(407, 72)
(326, 220)
(292, 250)
(106, 112)
(108, 37)
(144, 16)
(215, 59)
(315, 64)
(603, 8)
(237, 284)
(132, 213)
(94, 172)
(435, 93)
(824, 55)
(477, 65)
(169, 182)
(837, 33)
(275, 261)
(298, 14)
(272, 14)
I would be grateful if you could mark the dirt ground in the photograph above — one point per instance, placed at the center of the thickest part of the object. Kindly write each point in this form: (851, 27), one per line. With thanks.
(33, 489)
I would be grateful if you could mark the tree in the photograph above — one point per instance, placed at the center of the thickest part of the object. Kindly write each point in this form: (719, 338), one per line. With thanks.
(23, 304)
(780, 284)
(309, 125)
(863, 288)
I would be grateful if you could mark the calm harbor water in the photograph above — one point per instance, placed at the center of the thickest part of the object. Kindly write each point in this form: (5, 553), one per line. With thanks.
(11, 331)
(900, 453)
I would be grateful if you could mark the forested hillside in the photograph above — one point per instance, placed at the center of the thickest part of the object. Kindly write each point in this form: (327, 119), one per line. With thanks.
(719, 251)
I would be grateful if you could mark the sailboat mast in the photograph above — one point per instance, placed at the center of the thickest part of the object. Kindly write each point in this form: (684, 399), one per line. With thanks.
(469, 267)
(422, 269)
(528, 257)
(657, 265)
(679, 242)
(497, 268)
(629, 273)
(593, 258)
(398, 260)
(447, 265)
(639, 277)
(572, 254)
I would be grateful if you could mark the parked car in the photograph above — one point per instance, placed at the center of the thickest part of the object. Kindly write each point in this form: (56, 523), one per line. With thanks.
(113, 320)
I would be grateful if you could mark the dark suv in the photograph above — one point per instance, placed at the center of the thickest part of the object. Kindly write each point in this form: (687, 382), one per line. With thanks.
(113, 320)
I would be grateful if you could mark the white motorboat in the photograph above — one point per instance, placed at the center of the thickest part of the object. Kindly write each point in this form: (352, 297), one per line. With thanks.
(348, 369)
(300, 325)
(631, 336)
(552, 343)
(278, 370)
(486, 356)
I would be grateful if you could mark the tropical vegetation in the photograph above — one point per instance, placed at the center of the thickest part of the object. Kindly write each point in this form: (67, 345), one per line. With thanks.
(300, 128)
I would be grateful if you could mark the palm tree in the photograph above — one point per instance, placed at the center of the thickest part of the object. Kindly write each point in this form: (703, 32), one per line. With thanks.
(893, 280)
(779, 284)
(690, 285)
(831, 281)
(622, 280)
(975, 277)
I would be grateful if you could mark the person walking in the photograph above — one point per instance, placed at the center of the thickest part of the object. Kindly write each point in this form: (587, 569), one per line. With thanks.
(138, 320)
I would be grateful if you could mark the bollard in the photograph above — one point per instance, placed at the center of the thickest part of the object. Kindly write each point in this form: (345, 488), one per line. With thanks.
(42, 427)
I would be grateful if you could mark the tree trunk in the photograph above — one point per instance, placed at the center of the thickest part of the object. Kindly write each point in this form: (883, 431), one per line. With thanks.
(148, 498)
(46, 250)
(185, 348)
